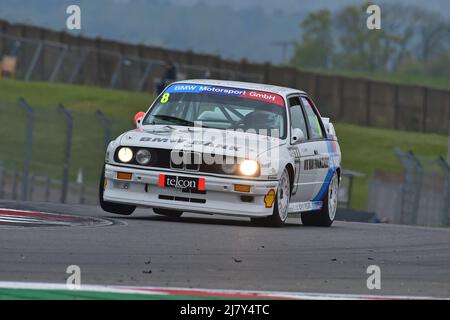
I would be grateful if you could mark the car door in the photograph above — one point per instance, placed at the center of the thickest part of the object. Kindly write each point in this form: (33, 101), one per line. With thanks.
(318, 165)
(303, 152)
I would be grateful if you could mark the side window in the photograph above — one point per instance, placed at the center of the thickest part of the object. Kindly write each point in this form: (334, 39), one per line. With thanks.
(297, 117)
(313, 119)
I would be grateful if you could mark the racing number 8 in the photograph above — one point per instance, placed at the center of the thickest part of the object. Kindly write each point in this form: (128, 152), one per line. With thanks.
(165, 98)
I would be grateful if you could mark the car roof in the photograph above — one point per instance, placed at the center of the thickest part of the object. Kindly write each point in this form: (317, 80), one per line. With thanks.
(244, 85)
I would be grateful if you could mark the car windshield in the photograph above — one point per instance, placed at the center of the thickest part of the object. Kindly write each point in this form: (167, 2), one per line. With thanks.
(220, 108)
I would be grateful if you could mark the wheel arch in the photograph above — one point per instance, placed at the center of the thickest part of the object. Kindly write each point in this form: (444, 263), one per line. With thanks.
(291, 173)
(338, 171)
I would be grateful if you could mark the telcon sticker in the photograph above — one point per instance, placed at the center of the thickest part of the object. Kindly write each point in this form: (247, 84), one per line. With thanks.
(181, 182)
(248, 94)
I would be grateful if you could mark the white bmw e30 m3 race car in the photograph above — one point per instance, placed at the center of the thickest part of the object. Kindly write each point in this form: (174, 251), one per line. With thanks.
(224, 147)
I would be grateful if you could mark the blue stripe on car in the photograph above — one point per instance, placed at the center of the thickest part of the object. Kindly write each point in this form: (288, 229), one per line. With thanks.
(323, 190)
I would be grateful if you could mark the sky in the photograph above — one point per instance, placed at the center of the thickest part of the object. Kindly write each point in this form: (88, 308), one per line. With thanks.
(442, 6)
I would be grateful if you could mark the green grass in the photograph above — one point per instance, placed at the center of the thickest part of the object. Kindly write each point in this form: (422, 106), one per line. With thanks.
(364, 149)
(114, 103)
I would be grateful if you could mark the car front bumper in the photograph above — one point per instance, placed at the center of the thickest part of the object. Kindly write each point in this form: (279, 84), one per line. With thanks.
(219, 197)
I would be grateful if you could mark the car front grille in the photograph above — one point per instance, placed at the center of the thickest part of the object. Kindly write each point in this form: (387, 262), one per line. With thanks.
(164, 158)
(185, 160)
(183, 199)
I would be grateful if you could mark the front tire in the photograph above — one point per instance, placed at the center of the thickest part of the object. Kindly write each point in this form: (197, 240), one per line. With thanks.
(325, 216)
(281, 206)
(168, 213)
(116, 208)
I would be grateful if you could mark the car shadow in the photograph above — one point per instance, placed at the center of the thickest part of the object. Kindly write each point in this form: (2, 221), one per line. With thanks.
(205, 221)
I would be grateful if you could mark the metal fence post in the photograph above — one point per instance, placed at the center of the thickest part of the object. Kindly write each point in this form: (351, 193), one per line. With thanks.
(116, 73)
(147, 72)
(15, 182)
(446, 198)
(80, 182)
(82, 198)
(448, 148)
(417, 186)
(79, 65)
(107, 125)
(411, 187)
(58, 65)
(28, 146)
(396, 106)
(34, 60)
(67, 152)
(2, 179)
(350, 191)
(30, 194)
(47, 189)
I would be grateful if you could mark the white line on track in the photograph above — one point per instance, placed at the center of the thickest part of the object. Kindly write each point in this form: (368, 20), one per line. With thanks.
(10, 219)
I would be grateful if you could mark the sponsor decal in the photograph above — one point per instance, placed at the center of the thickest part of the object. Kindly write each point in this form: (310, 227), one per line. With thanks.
(178, 182)
(305, 206)
(189, 142)
(165, 98)
(269, 198)
(243, 93)
(320, 163)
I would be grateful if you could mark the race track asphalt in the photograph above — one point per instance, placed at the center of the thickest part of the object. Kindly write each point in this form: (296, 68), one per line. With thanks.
(216, 252)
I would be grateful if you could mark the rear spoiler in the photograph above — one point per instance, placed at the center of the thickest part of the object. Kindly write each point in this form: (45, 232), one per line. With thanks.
(329, 127)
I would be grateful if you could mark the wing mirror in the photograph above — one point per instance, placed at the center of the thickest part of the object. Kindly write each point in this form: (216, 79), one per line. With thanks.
(138, 118)
(297, 135)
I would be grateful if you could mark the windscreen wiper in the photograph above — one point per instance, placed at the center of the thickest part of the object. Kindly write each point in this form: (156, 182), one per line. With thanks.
(174, 120)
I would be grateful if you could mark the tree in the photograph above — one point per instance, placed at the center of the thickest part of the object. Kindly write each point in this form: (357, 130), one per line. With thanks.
(434, 35)
(316, 48)
(359, 47)
(411, 39)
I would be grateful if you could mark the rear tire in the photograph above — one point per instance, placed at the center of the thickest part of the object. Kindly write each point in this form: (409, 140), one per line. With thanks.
(168, 213)
(111, 207)
(325, 216)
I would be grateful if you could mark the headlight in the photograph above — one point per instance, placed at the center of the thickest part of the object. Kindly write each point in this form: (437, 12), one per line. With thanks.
(125, 154)
(143, 157)
(229, 168)
(249, 167)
